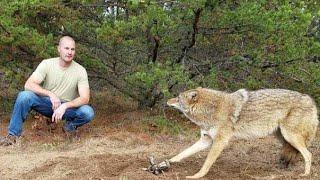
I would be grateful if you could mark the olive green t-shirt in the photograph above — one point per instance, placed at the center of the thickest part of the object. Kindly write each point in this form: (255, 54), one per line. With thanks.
(64, 82)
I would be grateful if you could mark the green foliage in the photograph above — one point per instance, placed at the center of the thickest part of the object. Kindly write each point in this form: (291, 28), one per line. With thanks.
(18, 32)
(277, 34)
(212, 80)
(161, 74)
(233, 44)
(164, 126)
(252, 83)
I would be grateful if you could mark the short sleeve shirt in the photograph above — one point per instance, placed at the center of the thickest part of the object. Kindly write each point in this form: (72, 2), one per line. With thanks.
(64, 82)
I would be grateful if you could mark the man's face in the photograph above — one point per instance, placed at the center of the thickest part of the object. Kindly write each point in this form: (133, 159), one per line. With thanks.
(67, 50)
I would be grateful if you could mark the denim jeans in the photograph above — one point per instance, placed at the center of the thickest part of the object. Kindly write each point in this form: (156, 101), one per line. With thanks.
(28, 100)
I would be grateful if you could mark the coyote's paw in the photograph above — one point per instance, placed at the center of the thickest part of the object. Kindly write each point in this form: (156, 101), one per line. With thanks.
(304, 174)
(196, 176)
(157, 168)
(193, 177)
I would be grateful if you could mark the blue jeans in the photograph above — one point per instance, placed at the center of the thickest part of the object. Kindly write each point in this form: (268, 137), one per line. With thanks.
(27, 100)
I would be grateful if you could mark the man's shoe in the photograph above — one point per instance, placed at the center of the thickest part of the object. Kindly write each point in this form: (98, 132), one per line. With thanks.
(8, 140)
(71, 135)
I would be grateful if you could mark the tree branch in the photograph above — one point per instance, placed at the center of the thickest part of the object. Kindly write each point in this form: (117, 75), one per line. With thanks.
(186, 48)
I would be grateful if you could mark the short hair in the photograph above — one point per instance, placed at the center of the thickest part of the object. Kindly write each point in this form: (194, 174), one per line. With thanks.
(66, 37)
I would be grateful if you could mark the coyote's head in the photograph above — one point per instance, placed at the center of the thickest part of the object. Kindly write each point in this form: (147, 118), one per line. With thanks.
(185, 100)
(203, 104)
(197, 104)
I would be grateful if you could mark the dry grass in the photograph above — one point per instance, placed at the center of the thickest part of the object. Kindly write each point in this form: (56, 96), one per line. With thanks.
(117, 144)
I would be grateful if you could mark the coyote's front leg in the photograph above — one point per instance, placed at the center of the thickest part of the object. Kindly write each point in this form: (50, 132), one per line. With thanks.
(204, 142)
(220, 141)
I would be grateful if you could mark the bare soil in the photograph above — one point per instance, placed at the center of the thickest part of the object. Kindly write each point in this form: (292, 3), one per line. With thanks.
(117, 146)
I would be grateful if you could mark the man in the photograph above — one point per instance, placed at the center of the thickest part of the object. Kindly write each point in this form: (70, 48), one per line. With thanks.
(59, 89)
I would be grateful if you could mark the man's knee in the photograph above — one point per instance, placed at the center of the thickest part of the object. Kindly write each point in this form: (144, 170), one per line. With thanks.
(25, 96)
(87, 112)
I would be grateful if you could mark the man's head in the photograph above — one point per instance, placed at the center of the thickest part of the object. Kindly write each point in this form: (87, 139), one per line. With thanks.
(67, 49)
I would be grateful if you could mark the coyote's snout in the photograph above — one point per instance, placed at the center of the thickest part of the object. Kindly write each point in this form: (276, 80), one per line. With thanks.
(246, 114)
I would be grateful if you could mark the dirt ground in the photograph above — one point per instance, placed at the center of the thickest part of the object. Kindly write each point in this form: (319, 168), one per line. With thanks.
(115, 146)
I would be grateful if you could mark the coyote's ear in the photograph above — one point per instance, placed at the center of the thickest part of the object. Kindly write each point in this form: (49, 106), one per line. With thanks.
(243, 95)
(240, 97)
(193, 95)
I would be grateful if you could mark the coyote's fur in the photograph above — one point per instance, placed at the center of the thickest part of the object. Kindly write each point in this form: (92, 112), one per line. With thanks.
(292, 116)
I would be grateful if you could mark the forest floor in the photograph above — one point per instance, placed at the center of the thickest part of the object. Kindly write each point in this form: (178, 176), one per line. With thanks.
(117, 146)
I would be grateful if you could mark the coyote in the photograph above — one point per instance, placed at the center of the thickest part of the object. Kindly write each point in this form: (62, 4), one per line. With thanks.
(290, 115)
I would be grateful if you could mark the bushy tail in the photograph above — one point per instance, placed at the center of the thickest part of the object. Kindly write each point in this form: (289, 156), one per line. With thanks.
(290, 155)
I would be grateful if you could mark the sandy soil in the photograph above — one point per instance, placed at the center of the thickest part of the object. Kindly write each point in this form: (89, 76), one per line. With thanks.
(113, 147)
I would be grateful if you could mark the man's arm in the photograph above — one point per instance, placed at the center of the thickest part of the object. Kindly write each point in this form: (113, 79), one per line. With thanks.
(33, 84)
(84, 97)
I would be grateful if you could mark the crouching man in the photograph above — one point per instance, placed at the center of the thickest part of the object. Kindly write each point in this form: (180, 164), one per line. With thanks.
(58, 89)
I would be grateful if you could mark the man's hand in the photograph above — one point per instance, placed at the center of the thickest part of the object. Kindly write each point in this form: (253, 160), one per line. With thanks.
(59, 112)
(33, 84)
(55, 101)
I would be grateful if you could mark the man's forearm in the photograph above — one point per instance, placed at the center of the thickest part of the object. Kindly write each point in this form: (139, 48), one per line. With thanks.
(36, 88)
(77, 102)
